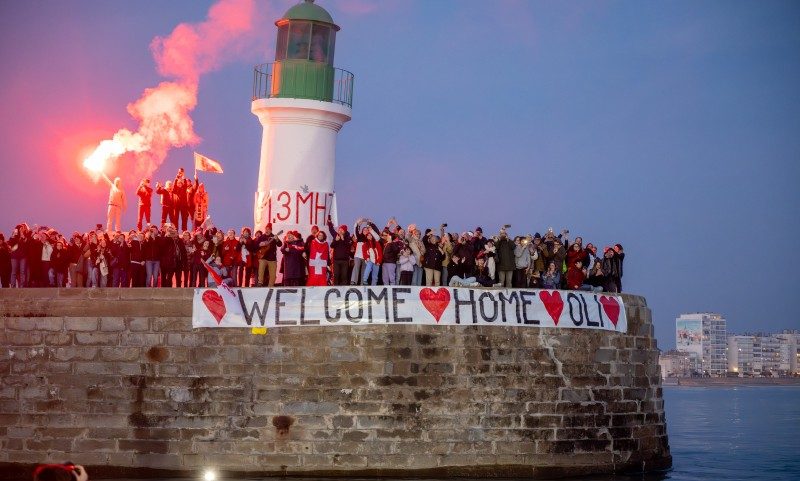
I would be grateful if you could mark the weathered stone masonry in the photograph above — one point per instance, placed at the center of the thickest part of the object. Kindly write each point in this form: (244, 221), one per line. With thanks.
(118, 379)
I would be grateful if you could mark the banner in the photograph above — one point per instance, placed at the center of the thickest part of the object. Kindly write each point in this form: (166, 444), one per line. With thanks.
(450, 306)
(295, 209)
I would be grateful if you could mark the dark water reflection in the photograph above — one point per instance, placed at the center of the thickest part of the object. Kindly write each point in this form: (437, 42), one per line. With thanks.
(718, 433)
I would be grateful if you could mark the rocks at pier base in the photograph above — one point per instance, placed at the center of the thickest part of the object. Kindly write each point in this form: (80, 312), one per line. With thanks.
(117, 380)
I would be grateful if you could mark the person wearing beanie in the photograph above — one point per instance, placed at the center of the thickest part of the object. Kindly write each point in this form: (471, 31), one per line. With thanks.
(340, 244)
(478, 241)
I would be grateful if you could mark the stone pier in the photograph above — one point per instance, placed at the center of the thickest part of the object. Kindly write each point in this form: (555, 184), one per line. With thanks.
(117, 380)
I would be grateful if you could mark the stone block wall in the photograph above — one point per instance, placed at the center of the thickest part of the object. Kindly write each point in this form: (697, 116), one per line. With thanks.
(118, 380)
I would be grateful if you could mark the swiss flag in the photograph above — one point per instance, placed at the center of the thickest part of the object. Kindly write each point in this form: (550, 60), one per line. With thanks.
(318, 264)
(204, 164)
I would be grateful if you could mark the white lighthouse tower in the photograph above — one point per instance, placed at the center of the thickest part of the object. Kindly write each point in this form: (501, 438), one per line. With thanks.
(301, 101)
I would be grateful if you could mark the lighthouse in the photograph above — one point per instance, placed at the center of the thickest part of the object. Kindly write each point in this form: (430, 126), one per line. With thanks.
(302, 101)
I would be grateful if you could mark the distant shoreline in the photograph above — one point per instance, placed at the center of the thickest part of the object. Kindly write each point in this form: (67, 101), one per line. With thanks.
(729, 381)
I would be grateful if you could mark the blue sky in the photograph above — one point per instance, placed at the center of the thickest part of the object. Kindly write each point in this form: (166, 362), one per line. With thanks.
(670, 127)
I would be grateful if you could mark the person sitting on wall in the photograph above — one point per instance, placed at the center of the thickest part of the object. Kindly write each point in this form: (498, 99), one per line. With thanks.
(596, 278)
(551, 279)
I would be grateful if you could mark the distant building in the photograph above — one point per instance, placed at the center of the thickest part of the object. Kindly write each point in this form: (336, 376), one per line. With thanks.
(704, 335)
(793, 335)
(678, 364)
(763, 354)
(744, 355)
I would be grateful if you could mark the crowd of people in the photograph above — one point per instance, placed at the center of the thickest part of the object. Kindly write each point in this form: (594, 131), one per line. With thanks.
(170, 255)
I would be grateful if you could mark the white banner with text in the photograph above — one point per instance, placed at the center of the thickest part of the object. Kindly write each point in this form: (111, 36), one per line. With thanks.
(450, 306)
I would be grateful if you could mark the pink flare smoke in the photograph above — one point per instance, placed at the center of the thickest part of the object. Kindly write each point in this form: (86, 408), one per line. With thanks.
(163, 112)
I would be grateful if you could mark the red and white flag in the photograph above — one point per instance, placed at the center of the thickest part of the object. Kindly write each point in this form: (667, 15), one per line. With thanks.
(318, 264)
(204, 164)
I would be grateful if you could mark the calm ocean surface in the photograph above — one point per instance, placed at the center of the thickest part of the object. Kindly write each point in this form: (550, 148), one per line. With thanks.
(736, 433)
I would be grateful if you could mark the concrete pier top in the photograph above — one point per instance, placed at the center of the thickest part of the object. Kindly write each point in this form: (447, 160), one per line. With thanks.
(117, 380)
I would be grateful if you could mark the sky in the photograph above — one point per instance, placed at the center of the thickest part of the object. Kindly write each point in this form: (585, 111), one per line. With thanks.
(672, 128)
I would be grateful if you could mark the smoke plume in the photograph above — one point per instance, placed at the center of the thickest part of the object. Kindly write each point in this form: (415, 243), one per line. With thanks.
(164, 111)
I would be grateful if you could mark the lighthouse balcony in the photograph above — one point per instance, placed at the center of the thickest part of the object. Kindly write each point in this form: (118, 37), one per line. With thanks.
(301, 79)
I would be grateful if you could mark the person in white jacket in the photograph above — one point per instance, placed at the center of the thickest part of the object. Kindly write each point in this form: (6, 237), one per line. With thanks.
(406, 264)
(116, 204)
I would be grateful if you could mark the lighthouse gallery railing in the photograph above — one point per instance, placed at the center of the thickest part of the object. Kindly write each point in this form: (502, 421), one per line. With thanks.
(308, 81)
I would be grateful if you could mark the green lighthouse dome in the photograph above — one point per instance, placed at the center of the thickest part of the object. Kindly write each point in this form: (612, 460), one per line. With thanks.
(308, 10)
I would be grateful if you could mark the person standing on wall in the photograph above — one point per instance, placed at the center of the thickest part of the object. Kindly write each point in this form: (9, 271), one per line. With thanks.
(116, 204)
(145, 195)
(340, 245)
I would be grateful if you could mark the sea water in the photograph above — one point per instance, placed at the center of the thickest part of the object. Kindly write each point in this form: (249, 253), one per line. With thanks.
(724, 433)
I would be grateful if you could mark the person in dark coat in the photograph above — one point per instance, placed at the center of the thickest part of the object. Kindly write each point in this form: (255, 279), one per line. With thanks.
(341, 241)
(432, 263)
(77, 265)
(293, 259)
(506, 262)
(59, 263)
(5, 262)
(18, 244)
(391, 255)
(610, 269)
(173, 257)
(33, 252)
(463, 260)
(137, 270)
(619, 254)
(120, 262)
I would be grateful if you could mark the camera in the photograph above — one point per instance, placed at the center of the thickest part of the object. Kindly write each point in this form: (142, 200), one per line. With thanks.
(444, 225)
(507, 226)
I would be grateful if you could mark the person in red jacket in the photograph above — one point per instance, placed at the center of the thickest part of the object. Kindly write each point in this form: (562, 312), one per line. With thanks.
(167, 202)
(575, 275)
(231, 253)
(145, 194)
(575, 254)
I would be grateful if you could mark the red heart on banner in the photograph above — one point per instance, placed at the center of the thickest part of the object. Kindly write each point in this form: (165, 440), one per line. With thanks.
(215, 304)
(553, 303)
(611, 307)
(435, 301)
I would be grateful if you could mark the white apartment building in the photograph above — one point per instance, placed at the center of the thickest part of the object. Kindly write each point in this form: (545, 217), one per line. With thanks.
(757, 354)
(704, 335)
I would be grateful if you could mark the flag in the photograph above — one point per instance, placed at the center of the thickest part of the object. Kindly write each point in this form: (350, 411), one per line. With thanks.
(204, 164)
(232, 306)
(318, 264)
